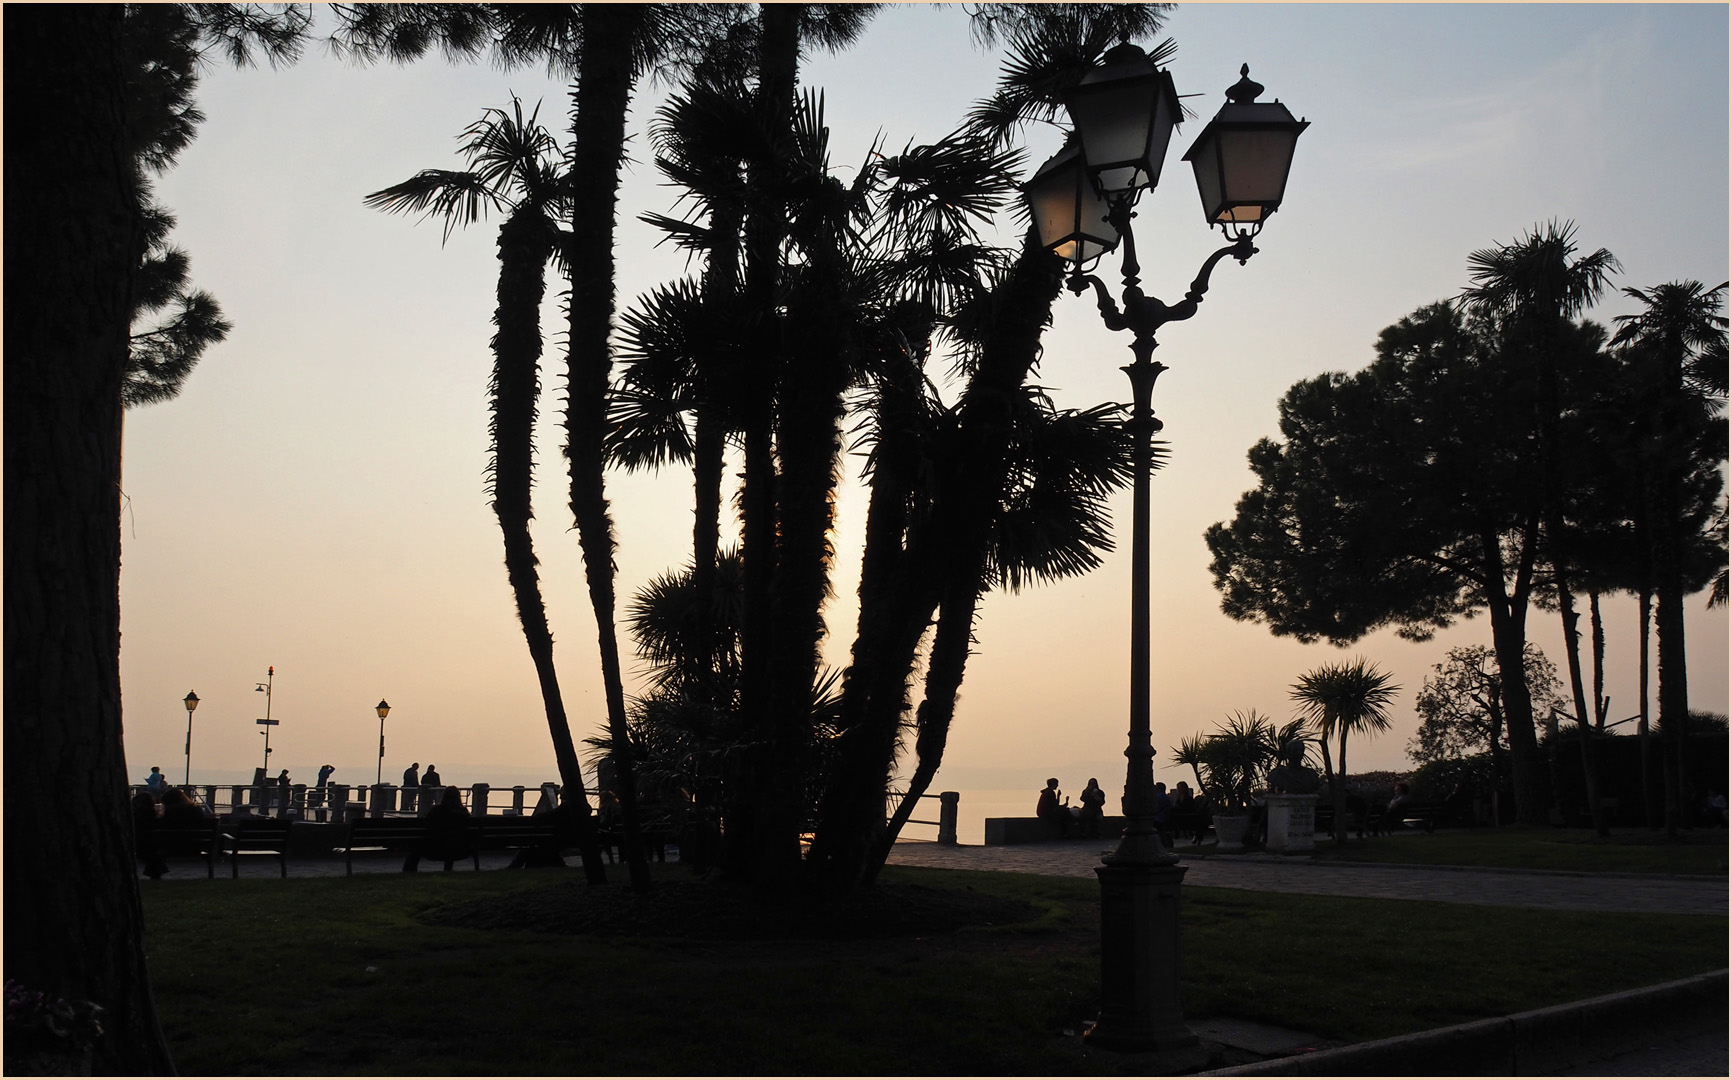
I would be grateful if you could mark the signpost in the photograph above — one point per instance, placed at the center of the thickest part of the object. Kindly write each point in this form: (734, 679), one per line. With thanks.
(267, 723)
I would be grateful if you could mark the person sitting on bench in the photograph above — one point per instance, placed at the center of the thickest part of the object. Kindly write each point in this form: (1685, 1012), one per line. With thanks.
(447, 833)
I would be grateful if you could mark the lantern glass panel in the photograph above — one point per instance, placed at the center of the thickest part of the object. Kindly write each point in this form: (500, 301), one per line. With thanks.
(1256, 163)
(1125, 124)
(1068, 213)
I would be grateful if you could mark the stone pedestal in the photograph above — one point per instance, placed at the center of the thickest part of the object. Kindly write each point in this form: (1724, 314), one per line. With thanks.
(1292, 824)
(1140, 1009)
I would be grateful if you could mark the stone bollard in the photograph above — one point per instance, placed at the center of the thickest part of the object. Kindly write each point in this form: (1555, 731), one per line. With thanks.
(210, 791)
(517, 800)
(336, 801)
(298, 800)
(383, 798)
(237, 797)
(948, 804)
(478, 800)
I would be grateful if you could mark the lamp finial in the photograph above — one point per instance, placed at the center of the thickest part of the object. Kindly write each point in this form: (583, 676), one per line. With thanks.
(1245, 91)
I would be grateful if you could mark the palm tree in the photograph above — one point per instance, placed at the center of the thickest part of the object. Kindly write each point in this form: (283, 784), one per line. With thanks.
(1679, 343)
(513, 167)
(1533, 288)
(1343, 698)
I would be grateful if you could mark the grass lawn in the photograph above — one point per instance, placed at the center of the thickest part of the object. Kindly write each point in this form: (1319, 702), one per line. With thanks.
(1628, 851)
(353, 976)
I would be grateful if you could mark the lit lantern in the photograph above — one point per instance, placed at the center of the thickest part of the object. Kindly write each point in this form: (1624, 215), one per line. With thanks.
(1069, 214)
(1242, 158)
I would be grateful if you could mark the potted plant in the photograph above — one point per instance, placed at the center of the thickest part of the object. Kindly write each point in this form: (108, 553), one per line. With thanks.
(1229, 764)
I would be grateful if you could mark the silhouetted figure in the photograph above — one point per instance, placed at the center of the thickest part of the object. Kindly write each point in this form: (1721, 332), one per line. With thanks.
(565, 827)
(411, 784)
(447, 836)
(144, 836)
(156, 782)
(179, 809)
(1398, 804)
(1093, 799)
(1189, 818)
(1050, 810)
(283, 793)
(430, 778)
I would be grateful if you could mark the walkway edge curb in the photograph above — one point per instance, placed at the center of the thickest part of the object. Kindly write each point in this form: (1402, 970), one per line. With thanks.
(1535, 1043)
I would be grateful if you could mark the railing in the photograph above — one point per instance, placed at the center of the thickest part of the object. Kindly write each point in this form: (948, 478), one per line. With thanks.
(338, 802)
(949, 803)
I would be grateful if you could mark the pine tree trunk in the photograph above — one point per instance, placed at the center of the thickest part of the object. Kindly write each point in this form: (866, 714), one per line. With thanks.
(75, 924)
(602, 96)
(1509, 638)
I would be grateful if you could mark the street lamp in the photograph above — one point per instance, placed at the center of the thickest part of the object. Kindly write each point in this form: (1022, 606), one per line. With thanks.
(1124, 112)
(191, 703)
(384, 710)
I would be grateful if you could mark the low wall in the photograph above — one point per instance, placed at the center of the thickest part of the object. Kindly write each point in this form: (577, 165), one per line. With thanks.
(1029, 830)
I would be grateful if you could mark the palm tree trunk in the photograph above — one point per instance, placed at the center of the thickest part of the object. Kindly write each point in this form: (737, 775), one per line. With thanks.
(1602, 704)
(72, 243)
(944, 670)
(524, 248)
(1572, 649)
(602, 96)
(951, 541)
(1649, 817)
(751, 771)
(1340, 789)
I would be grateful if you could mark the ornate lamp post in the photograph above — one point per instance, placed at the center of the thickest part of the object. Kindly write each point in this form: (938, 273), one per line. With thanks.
(191, 703)
(384, 710)
(1124, 112)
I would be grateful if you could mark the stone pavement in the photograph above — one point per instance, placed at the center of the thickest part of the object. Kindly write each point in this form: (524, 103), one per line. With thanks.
(1652, 894)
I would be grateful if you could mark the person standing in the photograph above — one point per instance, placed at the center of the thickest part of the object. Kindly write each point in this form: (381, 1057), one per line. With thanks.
(430, 786)
(1050, 810)
(283, 793)
(1093, 801)
(156, 783)
(1163, 815)
(411, 783)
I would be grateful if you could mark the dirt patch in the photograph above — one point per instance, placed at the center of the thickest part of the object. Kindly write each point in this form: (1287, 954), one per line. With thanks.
(711, 910)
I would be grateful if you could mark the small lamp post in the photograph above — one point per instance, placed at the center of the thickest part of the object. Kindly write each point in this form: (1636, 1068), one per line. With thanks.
(1124, 112)
(384, 710)
(191, 703)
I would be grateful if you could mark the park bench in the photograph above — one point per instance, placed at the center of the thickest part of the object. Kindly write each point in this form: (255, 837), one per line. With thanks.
(394, 834)
(657, 831)
(520, 833)
(256, 836)
(201, 840)
(1424, 815)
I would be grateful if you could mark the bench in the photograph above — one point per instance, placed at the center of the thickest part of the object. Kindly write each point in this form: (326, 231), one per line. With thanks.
(202, 840)
(395, 834)
(1424, 815)
(256, 836)
(516, 833)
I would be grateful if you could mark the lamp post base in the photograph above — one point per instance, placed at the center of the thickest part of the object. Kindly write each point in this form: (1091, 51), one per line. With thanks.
(1140, 1010)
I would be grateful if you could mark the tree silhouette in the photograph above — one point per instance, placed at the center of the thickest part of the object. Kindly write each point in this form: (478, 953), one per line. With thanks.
(513, 167)
(1405, 495)
(1679, 351)
(1342, 699)
(82, 130)
(1533, 288)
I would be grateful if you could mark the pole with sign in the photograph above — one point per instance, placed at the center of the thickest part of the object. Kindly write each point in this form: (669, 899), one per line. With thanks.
(267, 723)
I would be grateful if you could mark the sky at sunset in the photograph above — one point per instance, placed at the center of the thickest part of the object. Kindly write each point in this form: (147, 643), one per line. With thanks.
(314, 499)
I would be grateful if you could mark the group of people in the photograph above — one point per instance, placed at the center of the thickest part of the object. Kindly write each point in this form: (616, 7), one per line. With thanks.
(149, 813)
(1054, 807)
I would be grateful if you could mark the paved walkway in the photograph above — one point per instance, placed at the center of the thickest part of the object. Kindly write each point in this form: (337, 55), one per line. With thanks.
(1652, 894)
